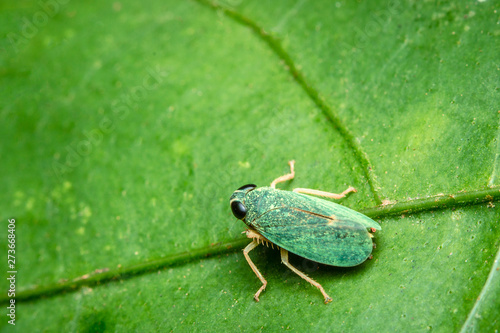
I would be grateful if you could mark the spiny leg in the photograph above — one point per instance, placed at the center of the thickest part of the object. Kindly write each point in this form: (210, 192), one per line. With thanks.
(285, 177)
(325, 194)
(284, 259)
(247, 249)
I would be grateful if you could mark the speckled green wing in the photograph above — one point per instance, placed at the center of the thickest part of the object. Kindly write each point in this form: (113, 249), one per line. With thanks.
(318, 230)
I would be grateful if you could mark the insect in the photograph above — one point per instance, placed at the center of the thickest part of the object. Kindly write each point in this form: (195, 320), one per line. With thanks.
(313, 228)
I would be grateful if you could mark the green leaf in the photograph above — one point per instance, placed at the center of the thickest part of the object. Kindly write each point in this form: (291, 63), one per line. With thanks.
(125, 129)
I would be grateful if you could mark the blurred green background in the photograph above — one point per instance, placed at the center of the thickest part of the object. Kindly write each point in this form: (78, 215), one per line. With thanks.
(126, 126)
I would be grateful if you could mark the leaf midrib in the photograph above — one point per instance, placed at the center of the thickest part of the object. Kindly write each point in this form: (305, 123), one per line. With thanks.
(101, 276)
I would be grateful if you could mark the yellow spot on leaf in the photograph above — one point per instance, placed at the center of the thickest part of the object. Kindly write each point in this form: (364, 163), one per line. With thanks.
(245, 165)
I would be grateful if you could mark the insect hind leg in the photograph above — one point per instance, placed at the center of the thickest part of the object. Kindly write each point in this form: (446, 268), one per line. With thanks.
(284, 259)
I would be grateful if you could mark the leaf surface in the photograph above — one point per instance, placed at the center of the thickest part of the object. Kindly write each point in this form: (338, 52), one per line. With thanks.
(125, 129)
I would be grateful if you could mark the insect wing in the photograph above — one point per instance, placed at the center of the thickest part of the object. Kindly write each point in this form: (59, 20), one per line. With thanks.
(331, 241)
(265, 199)
(328, 208)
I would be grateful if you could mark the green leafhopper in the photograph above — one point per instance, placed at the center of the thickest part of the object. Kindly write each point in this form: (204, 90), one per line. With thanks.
(313, 228)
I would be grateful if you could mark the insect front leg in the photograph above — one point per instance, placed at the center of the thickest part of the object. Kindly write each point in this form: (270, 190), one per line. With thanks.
(285, 177)
(325, 194)
(284, 259)
(291, 175)
(247, 249)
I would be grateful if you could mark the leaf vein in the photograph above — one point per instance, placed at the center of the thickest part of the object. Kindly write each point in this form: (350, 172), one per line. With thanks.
(101, 276)
(331, 116)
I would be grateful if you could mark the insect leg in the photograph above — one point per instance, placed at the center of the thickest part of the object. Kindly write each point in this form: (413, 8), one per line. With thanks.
(284, 259)
(324, 194)
(247, 249)
(285, 177)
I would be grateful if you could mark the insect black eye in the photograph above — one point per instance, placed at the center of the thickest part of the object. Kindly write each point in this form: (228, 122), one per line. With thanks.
(246, 187)
(239, 209)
